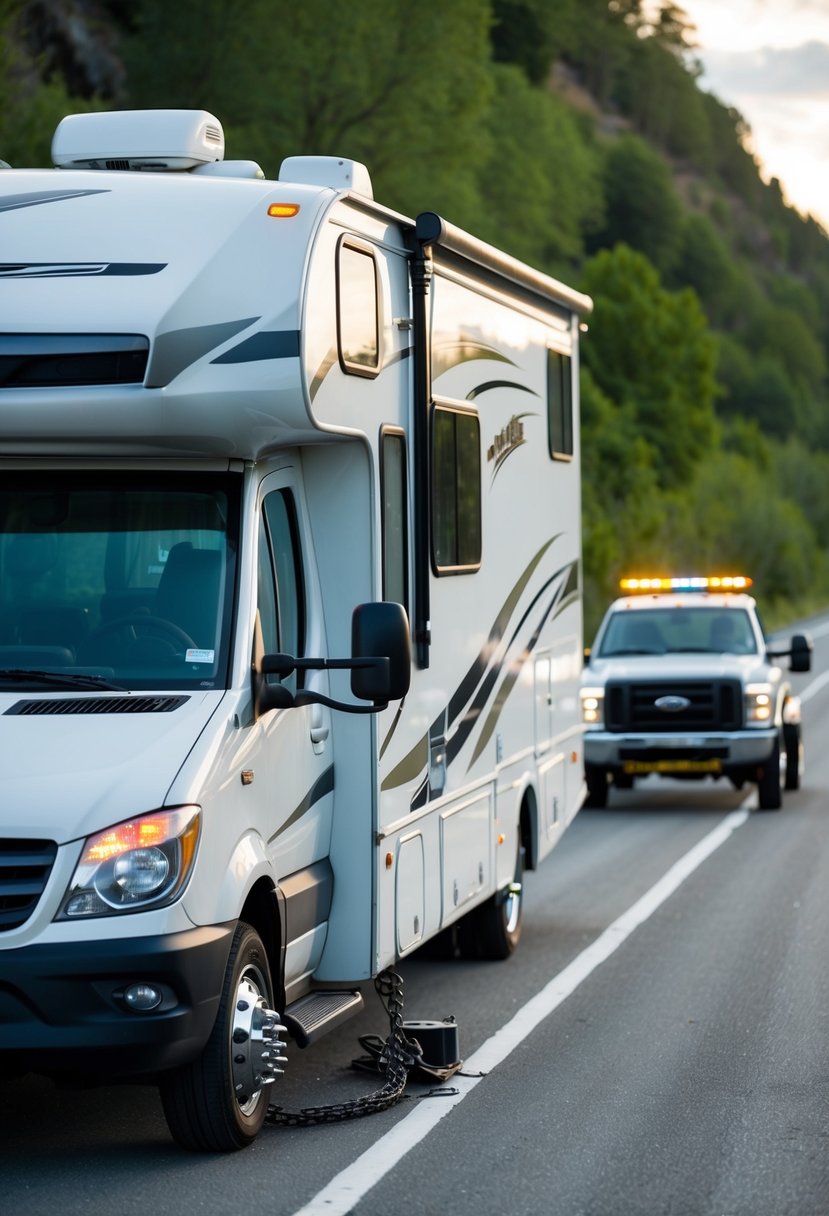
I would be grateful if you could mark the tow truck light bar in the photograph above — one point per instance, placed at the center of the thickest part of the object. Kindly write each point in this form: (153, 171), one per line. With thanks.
(726, 582)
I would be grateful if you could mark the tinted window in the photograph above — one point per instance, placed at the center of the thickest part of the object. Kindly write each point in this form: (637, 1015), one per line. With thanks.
(127, 576)
(357, 311)
(280, 597)
(456, 490)
(560, 404)
(395, 530)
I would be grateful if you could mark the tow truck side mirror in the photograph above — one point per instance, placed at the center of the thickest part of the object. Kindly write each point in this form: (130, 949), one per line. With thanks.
(800, 654)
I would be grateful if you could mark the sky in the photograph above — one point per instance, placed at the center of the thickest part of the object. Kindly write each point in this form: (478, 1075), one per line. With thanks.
(770, 59)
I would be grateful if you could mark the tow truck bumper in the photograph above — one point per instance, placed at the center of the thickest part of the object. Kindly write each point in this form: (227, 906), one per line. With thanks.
(64, 1009)
(717, 753)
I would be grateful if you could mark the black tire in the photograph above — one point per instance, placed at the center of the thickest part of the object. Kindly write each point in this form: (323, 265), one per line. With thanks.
(769, 787)
(203, 1111)
(493, 930)
(598, 786)
(794, 755)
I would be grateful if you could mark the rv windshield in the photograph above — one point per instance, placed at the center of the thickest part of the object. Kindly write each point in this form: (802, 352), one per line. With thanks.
(120, 577)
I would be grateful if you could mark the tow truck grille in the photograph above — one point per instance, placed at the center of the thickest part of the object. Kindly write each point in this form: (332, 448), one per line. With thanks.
(711, 705)
(25, 866)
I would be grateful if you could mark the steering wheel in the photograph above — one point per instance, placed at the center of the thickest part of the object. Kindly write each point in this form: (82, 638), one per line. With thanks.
(143, 625)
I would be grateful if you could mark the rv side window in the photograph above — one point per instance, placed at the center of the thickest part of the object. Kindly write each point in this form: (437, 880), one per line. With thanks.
(395, 527)
(280, 594)
(560, 404)
(456, 491)
(357, 310)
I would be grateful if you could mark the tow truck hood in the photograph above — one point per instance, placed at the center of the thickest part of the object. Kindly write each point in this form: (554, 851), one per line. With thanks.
(678, 667)
(66, 773)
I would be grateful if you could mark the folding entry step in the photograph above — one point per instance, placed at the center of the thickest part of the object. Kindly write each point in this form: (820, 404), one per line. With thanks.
(315, 1014)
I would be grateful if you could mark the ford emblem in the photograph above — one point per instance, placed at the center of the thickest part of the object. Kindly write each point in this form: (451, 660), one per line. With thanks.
(672, 705)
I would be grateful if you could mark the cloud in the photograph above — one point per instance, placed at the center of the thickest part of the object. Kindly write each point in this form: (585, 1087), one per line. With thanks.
(783, 71)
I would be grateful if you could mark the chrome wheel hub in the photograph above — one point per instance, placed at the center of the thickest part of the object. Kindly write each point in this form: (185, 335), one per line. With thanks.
(255, 1044)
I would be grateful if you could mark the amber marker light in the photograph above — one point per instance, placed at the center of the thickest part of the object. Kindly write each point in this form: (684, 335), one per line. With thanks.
(283, 211)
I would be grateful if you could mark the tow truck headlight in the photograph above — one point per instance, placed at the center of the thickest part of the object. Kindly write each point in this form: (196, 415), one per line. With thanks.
(759, 707)
(592, 706)
(134, 866)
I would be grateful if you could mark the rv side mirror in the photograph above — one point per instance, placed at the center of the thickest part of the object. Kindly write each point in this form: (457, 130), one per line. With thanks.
(800, 654)
(381, 630)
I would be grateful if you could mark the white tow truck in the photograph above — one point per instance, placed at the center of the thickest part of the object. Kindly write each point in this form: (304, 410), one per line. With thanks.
(259, 439)
(681, 681)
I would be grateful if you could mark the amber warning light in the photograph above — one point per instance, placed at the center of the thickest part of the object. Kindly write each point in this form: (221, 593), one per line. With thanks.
(283, 211)
(725, 582)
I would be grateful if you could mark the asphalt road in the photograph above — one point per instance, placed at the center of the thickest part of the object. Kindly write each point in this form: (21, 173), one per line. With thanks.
(675, 1063)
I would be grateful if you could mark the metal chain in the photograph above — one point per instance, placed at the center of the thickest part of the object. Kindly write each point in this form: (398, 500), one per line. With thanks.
(398, 1056)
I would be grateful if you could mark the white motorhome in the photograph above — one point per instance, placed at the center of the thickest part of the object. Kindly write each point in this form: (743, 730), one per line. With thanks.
(290, 621)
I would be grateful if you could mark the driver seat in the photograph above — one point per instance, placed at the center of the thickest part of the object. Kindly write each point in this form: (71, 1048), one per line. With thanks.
(189, 592)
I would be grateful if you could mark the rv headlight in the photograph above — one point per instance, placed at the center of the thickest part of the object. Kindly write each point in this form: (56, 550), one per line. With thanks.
(592, 706)
(759, 705)
(141, 864)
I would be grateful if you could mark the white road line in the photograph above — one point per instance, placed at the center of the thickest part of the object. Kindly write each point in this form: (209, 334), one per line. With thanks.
(352, 1183)
(815, 686)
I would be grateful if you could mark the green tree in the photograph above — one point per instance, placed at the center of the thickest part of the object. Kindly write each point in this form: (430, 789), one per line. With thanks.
(642, 209)
(651, 351)
(539, 186)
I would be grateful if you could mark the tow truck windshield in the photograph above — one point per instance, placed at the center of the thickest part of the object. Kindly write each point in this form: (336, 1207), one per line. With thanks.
(674, 630)
(116, 579)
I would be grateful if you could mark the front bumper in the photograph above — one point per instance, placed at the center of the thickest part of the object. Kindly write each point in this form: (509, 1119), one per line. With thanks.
(62, 1010)
(715, 752)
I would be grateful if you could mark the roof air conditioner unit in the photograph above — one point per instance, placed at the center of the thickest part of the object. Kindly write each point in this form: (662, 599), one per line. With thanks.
(157, 140)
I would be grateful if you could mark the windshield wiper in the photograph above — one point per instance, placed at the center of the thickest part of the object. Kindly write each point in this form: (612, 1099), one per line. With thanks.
(56, 679)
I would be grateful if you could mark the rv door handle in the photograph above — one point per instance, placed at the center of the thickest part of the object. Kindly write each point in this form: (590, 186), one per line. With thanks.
(319, 724)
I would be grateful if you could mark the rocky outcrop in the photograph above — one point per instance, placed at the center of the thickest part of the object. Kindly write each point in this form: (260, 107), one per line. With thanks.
(76, 40)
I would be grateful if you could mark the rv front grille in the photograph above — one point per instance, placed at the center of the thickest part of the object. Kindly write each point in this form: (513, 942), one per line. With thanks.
(98, 705)
(25, 866)
(68, 360)
(692, 705)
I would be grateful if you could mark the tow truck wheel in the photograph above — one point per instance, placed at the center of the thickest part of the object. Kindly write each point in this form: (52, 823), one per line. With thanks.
(794, 755)
(769, 783)
(219, 1102)
(597, 785)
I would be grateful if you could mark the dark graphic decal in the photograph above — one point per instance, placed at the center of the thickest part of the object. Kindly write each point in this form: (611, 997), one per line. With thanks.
(516, 664)
(267, 344)
(178, 349)
(413, 763)
(331, 359)
(513, 666)
(13, 202)
(322, 371)
(322, 786)
(489, 385)
(508, 440)
(449, 354)
(77, 270)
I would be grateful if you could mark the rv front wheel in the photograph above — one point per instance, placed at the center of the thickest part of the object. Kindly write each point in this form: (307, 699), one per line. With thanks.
(219, 1102)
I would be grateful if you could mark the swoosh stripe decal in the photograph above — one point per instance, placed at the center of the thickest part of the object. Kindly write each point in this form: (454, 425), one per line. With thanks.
(488, 385)
(77, 270)
(13, 202)
(412, 764)
(322, 786)
(267, 344)
(517, 664)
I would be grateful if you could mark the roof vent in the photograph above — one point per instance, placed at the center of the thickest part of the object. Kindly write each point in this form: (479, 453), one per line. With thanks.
(157, 140)
(327, 171)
